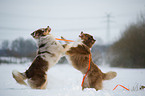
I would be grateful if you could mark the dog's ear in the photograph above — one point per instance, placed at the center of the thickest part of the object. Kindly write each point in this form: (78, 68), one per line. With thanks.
(81, 35)
(81, 32)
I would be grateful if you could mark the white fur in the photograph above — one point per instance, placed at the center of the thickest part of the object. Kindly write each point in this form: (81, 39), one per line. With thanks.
(52, 46)
(15, 72)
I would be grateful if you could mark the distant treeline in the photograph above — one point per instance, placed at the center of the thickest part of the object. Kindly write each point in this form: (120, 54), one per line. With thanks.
(18, 48)
(27, 48)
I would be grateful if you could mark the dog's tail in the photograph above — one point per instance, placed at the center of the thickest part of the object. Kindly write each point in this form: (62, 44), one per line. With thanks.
(109, 75)
(19, 77)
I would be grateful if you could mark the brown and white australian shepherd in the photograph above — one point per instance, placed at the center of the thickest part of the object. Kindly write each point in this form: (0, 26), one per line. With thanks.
(78, 56)
(49, 52)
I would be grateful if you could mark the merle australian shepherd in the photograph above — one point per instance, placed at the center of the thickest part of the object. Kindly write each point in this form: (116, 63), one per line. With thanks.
(78, 56)
(49, 52)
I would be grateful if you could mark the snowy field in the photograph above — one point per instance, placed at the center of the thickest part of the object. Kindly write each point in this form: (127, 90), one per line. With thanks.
(64, 80)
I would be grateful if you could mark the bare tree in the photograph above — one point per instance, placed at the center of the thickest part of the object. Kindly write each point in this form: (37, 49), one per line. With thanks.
(129, 50)
(23, 47)
(5, 45)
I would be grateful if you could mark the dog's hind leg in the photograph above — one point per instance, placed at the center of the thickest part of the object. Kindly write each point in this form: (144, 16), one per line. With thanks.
(38, 82)
(98, 85)
(95, 83)
(44, 86)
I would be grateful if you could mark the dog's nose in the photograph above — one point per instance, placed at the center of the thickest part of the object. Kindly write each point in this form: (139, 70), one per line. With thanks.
(32, 34)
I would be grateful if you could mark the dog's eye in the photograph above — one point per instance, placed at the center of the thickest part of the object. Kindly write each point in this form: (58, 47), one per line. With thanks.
(91, 37)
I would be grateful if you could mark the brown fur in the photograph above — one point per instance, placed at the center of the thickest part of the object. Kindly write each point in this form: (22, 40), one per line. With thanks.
(36, 74)
(79, 56)
(142, 87)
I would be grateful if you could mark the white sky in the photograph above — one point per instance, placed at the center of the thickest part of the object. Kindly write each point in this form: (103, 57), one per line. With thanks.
(19, 18)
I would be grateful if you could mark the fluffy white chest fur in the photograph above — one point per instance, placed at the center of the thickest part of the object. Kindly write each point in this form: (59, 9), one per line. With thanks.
(50, 49)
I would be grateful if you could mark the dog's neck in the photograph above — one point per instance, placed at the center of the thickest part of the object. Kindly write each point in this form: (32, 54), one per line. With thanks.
(43, 39)
(87, 43)
(44, 44)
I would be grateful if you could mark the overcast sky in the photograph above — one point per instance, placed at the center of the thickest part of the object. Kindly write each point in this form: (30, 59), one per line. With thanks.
(19, 18)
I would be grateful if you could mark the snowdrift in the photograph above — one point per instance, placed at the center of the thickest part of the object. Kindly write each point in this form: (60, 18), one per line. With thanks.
(64, 80)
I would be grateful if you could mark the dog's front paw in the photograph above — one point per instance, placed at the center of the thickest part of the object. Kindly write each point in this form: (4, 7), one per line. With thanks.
(62, 37)
(67, 42)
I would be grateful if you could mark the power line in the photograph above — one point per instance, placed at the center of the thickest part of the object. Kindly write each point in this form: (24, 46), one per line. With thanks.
(69, 29)
(108, 21)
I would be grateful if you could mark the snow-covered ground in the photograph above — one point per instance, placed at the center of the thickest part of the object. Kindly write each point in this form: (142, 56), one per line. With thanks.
(64, 80)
